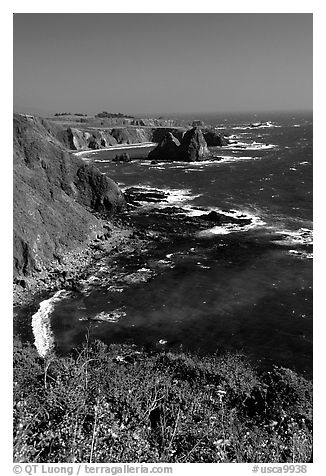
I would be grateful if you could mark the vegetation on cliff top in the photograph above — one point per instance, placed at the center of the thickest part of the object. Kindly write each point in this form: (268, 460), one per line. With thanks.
(117, 404)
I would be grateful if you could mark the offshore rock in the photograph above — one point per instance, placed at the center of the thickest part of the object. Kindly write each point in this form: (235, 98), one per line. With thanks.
(124, 157)
(167, 149)
(159, 133)
(193, 146)
(134, 195)
(214, 139)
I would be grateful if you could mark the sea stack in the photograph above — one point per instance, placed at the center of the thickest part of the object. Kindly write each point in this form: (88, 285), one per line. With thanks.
(213, 139)
(193, 146)
(167, 149)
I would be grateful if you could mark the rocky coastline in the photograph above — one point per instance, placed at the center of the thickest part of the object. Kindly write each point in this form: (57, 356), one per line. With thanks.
(74, 266)
(63, 204)
(77, 232)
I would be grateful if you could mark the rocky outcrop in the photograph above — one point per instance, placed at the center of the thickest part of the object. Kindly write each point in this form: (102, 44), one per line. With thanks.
(55, 194)
(193, 146)
(159, 133)
(197, 123)
(137, 195)
(75, 138)
(129, 135)
(167, 149)
(78, 139)
(124, 157)
(213, 139)
(160, 122)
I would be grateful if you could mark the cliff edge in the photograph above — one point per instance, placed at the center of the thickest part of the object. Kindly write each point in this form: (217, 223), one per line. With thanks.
(55, 196)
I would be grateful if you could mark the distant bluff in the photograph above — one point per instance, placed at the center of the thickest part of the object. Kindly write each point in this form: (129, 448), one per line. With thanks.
(55, 196)
(84, 133)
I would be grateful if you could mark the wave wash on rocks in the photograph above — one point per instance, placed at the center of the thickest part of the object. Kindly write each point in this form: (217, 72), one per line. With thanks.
(41, 324)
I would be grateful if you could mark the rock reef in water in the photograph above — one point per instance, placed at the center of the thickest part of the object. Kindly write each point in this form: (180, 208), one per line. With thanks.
(55, 195)
(134, 195)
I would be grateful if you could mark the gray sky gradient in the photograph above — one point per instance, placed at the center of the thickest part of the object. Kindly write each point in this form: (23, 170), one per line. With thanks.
(162, 63)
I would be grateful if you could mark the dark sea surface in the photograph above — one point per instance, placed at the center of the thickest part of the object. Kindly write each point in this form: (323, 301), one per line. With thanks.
(247, 291)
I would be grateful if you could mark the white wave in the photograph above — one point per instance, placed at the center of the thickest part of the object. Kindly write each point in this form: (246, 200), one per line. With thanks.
(302, 236)
(249, 146)
(193, 170)
(240, 127)
(301, 254)
(228, 159)
(257, 125)
(41, 323)
(220, 159)
(228, 227)
(244, 214)
(174, 196)
(113, 316)
(216, 230)
(178, 196)
(195, 165)
(156, 165)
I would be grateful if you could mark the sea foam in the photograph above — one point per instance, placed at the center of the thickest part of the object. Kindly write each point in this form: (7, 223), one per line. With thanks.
(41, 323)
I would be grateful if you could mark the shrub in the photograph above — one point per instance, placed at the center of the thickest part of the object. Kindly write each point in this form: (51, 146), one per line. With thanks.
(117, 404)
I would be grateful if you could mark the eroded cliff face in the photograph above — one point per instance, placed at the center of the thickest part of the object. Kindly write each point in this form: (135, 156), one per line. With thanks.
(78, 139)
(89, 138)
(55, 195)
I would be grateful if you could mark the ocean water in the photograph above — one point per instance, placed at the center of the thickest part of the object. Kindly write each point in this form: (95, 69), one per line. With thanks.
(246, 290)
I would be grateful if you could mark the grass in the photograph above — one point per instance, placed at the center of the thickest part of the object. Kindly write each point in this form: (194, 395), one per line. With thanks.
(117, 404)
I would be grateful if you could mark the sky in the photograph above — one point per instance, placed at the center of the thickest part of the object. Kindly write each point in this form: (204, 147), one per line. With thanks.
(162, 63)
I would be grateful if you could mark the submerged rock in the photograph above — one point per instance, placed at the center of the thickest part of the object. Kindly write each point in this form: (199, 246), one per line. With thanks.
(221, 218)
(113, 316)
(142, 275)
(137, 194)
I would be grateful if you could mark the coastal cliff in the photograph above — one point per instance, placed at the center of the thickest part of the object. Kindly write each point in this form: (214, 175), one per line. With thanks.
(55, 196)
(102, 132)
(56, 193)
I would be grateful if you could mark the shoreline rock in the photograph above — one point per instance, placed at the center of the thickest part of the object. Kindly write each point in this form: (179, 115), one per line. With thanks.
(75, 265)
